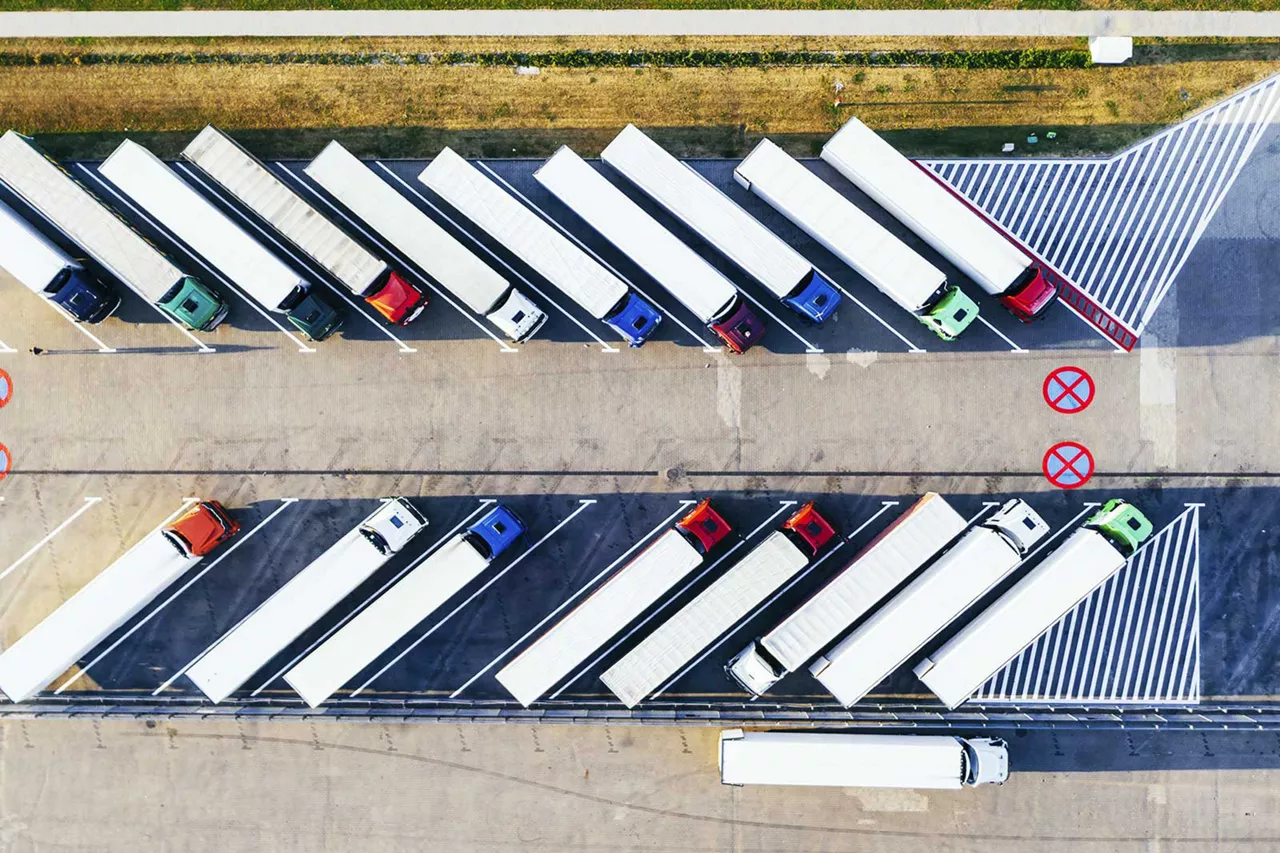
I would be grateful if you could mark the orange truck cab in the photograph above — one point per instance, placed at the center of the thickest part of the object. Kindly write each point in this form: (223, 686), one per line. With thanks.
(705, 525)
(202, 528)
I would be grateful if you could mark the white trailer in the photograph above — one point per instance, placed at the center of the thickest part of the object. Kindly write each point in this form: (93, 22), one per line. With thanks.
(212, 235)
(861, 761)
(85, 619)
(892, 557)
(715, 217)
(1044, 595)
(700, 287)
(307, 597)
(836, 223)
(970, 569)
(425, 243)
(548, 252)
(940, 218)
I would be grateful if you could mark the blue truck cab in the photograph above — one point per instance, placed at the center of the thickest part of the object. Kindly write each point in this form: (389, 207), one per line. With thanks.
(815, 298)
(634, 319)
(84, 297)
(494, 533)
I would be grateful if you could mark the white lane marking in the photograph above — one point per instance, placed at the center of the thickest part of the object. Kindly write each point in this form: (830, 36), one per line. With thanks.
(1181, 559)
(609, 348)
(684, 505)
(1081, 196)
(1193, 600)
(911, 348)
(284, 504)
(1015, 348)
(1096, 201)
(1014, 196)
(200, 345)
(318, 273)
(1069, 178)
(5, 348)
(394, 253)
(1028, 210)
(783, 505)
(88, 504)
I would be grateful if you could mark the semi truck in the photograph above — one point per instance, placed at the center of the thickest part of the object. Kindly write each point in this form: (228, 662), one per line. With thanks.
(212, 235)
(1091, 555)
(411, 599)
(957, 580)
(544, 249)
(425, 243)
(861, 761)
(308, 596)
(43, 268)
(252, 184)
(112, 598)
(699, 286)
(613, 605)
(891, 266)
(940, 218)
(719, 607)
(728, 228)
(105, 237)
(902, 548)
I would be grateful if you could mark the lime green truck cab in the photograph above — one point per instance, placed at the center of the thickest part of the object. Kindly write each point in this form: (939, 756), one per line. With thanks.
(1122, 524)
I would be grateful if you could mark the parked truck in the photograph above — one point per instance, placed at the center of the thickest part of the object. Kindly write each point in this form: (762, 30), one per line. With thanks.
(252, 184)
(212, 235)
(861, 761)
(305, 599)
(44, 268)
(699, 286)
(893, 556)
(546, 251)
(112, 598)
(719, 607)
(716, 218)
(411, 599)
(1048, 592)
(971, 568)
(952, 227)
(613, 605)
(105, 237)
(425, 243)
(891, 266)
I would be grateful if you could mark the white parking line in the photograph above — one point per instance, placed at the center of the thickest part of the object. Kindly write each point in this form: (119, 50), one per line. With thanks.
(201, 346)
(911, 348)
(1003, 336)
(395, 254)
(88, 503)
(782, 507)
(285, 503)
(5, 348)
(583, 504)
(684, 505)
(307, 263)
(608, 347)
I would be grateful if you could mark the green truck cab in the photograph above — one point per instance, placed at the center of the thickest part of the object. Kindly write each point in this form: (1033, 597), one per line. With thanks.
(194, 304)
(314, 317)
(951, 314)
(1122, 524)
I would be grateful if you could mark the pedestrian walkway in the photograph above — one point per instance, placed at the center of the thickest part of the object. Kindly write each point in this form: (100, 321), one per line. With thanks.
(1119, 229)
(1135, 639)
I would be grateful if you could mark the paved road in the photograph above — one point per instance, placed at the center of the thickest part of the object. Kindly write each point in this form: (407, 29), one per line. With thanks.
(640, 22)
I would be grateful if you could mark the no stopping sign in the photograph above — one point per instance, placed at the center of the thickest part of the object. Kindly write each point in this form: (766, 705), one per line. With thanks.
(1068, 465)
(1068, 390)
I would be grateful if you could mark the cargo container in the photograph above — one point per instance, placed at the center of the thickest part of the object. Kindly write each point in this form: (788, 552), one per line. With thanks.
(715, 217)
(547, 252)
(1044, 595)
(892, 557)
(212, 235)
(699, 286)
(425, 243)
(948, 224)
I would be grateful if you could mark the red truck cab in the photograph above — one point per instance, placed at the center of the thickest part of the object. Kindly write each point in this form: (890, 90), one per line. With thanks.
(705, 525)
(1031, 295)
(202, 528)
(397, 300)
(811, 528)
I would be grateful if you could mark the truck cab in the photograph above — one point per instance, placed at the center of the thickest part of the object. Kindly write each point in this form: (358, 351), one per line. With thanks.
(396, 299)
(986, 759)
(496, 532)
(314, 317)
(810, 528)
(950, 314)
(1018, 524)
(754, 669)
(1031, 295)
(705, 526)
(84, 297)
(741, 328)
(815, 299)
(392, 526)
(1122, 524)
(194, 304)
(201, 529)
(634, 319)
(518, 317)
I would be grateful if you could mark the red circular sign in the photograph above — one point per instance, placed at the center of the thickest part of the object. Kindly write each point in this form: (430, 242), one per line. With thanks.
(1068, 390)
(6, 462)
(6, 389)
(1068, 465)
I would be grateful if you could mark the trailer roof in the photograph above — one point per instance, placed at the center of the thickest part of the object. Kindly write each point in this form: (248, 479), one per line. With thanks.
(26, 254)
(841, 760)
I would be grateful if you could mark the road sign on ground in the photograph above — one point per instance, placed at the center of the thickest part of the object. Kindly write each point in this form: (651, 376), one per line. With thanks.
(6, 389)
(1068, 390)
(1068, 465)
(6, 461)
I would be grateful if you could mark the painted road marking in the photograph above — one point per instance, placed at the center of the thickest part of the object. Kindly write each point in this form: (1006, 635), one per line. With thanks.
(911, 348)
(5, 348)
(1068, 465)
(684, 506)
(6, 389)
(1068, 390)
(88, 504)
(6, 462)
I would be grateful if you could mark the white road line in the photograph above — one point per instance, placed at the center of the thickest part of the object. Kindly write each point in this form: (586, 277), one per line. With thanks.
(992, 188)
(684, 505)
(1098, 200)
(1140, 636)
(1013, 198)
(1015, 348)
(609, 348)
(1081, 652)
(1106, 601)
(5, 348)
(1184, 667)
(912, 348)
(1081, 196)
(284, 504)
(417, 561)
(1181, 558)
(200, 345)
(783, 505)
(1030, 207)
(582, 505)
(88, 503)
(1071, 177)
(304, 263)
(706, 346)
(394, 253)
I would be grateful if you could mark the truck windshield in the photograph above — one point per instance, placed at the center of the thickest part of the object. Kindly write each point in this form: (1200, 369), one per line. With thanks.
(375, 539)
(295, 296)
(59, 281)
(181, 545)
